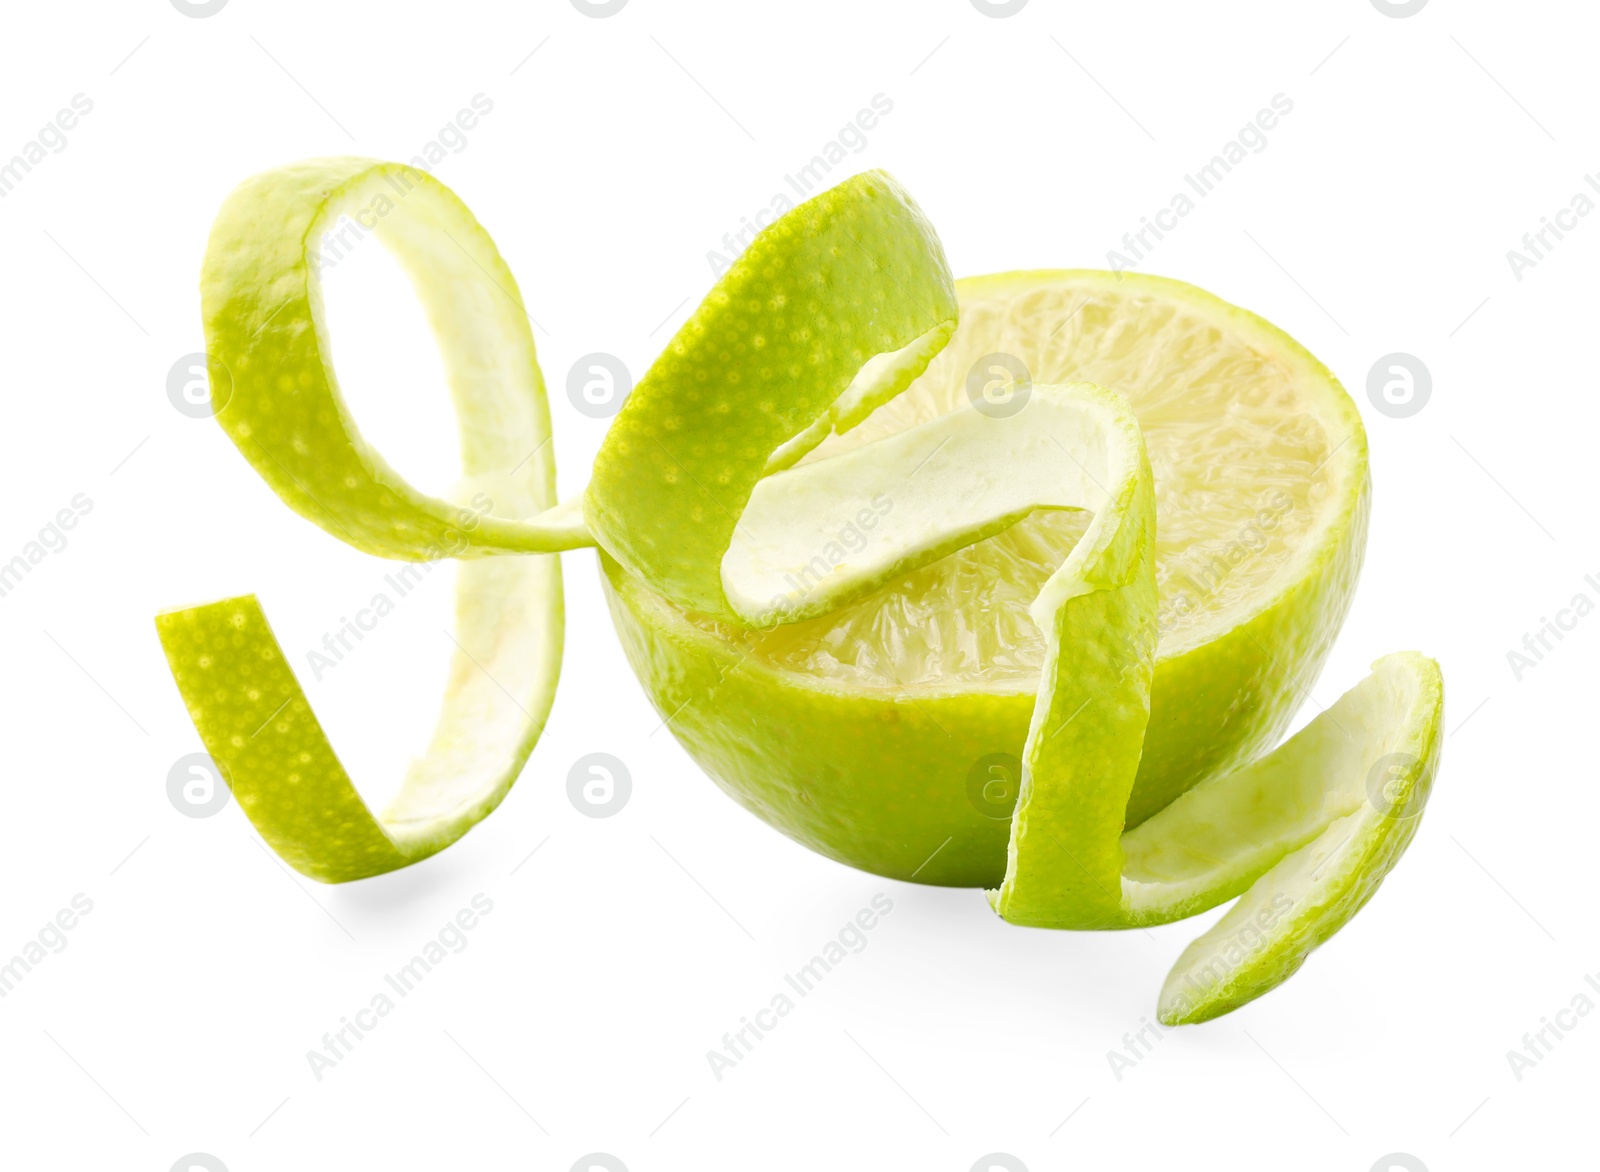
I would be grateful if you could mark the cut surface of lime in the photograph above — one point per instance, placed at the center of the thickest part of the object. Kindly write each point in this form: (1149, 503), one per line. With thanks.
(1256, 457)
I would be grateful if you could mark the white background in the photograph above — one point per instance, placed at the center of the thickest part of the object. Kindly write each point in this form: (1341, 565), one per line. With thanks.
(1378, 218)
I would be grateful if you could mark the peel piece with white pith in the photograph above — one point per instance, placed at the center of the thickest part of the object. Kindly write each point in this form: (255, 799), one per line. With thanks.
(1306, 833)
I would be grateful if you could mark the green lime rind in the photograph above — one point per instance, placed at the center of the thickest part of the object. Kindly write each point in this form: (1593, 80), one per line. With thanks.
(278, 396)
(1098, 613)
(258, 726)
(833, 309)
(1345, 796)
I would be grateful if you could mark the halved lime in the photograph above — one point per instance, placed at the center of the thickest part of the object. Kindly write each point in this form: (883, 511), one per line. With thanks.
(865, 732)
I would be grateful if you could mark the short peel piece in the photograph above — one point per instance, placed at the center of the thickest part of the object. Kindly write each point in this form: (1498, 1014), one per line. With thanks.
(258, 726)
(1303, 836)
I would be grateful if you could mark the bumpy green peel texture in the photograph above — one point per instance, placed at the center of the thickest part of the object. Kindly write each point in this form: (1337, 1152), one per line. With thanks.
(832, 310)
(258, 727)
(257, 724)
